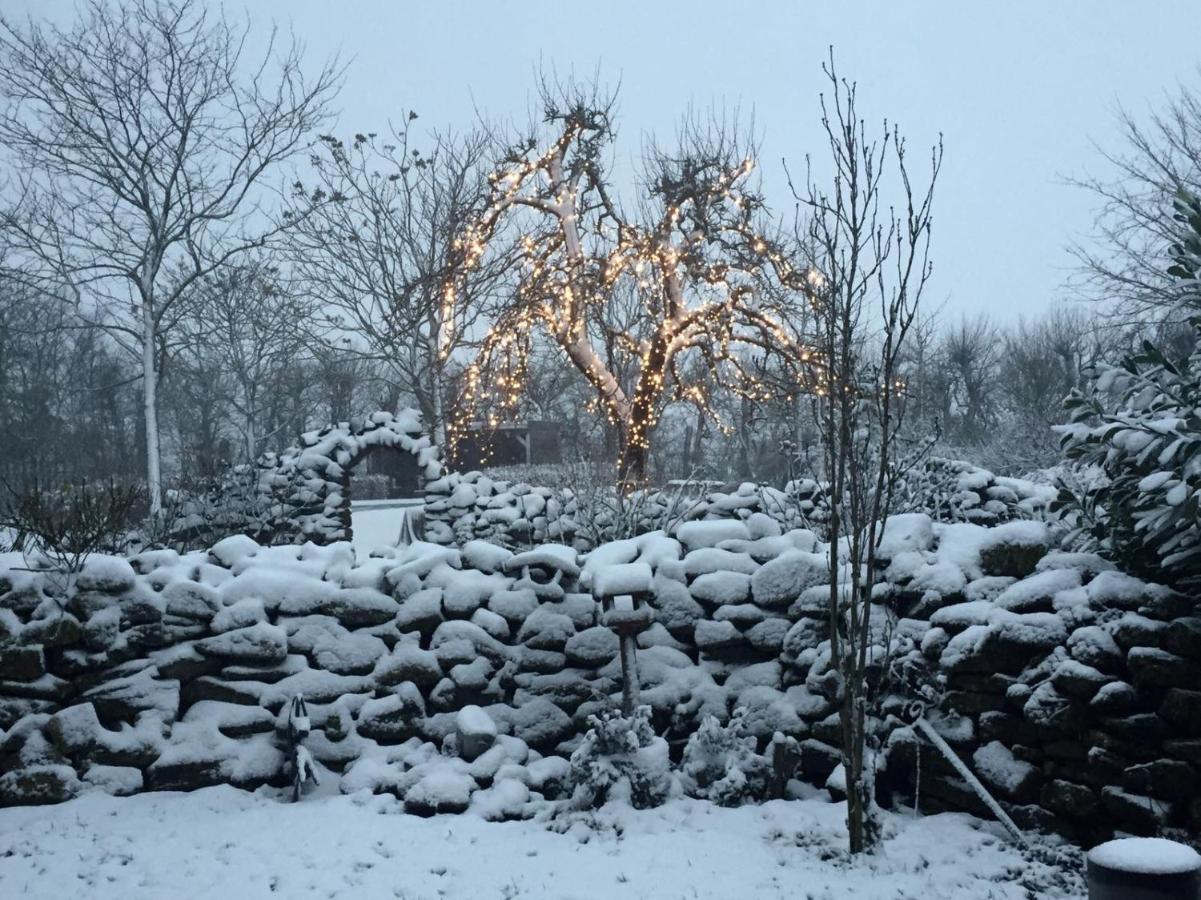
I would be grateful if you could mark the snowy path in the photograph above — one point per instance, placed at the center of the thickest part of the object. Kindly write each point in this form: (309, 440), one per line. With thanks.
(228, 844)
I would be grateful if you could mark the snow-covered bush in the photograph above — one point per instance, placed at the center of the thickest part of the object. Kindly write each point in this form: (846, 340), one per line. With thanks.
(602, 513)
(720, 763)
(62, 525)
(620, 759)
(950, 490)
(1140, 423)
(199, 515)
(947, 490)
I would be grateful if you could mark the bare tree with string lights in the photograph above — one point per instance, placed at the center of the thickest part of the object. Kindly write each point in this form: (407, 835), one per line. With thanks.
(694, 272)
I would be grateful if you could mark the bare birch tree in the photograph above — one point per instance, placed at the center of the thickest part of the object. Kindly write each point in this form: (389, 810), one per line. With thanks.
(143, 136)
(869, 265)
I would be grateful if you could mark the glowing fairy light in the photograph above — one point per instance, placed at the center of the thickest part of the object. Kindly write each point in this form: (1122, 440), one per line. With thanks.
(693, 270)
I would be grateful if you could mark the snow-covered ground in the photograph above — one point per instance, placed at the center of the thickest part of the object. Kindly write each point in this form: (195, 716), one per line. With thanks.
(375, 525)
(226, 843)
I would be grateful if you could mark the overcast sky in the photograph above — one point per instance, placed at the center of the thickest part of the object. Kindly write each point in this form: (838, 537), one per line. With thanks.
(1020, 91)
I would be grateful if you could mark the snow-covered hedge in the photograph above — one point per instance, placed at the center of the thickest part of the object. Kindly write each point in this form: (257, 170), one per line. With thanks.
(1140, 424)
(465, 678)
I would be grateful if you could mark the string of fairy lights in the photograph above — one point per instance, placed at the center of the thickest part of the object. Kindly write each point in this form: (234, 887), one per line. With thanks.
(694, 273)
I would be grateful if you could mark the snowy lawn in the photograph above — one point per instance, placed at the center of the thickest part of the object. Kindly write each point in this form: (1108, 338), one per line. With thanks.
(226, 843)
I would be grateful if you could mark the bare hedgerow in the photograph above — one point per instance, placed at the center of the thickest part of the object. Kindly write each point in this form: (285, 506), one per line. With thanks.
(57, 529)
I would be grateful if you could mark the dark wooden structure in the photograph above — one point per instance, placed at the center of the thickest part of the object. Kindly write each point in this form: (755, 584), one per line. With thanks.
(534, 442)
(398, 466)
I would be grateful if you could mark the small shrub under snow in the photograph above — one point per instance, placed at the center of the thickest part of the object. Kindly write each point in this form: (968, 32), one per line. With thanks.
(620, 759)
(720, 763)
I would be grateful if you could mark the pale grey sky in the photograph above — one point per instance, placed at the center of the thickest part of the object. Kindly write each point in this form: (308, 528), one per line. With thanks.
(1018, 89)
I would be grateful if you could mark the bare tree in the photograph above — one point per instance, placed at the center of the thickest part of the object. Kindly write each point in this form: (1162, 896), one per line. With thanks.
(254, 323)
(195, 419)
(143, 135)
(628, 296)
(965, 376)
(870, 264)
(380, 252)
(1043, 361)
(62, 386)
(920, 366)
(341, 378)
(1122, 262)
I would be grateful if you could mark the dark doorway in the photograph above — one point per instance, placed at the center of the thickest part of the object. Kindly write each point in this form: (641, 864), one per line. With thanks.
(386, 473)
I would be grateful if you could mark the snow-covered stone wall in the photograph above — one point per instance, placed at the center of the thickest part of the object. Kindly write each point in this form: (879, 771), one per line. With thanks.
(304, 493)
(472, 505)
(312, 479)
(464, 676)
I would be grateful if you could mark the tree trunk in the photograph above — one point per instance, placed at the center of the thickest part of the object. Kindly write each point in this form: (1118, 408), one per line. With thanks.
(252, 438)
(430, 407)
(634, 429)
(852, 761)
(698, 436)
(438, 425)
(154, 483)
(433, 373)
(631, 463)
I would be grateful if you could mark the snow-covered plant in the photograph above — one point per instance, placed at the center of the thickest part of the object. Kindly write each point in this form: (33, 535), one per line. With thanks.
(601, 513)
(720, 763)
(199, 514)
(57, 529)
(1140, 423)
(298, 727)
(620, 759)
(947, 490)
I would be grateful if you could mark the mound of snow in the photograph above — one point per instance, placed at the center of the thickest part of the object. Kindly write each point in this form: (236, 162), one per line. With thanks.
(1146, 856)
(710, 533)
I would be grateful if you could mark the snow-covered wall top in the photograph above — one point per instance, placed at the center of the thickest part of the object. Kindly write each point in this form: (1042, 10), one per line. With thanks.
(464, 676)
(472, 505)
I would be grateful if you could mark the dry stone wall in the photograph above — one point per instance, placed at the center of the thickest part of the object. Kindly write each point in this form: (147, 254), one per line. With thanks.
(462, 506)
(463, 677)
(304, 493)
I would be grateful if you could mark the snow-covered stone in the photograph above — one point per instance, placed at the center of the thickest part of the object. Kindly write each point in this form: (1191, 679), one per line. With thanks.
(621, 578)
(592, 647)
(722, 587)
(904, 533)
(476, 732)
(349, 654)
(778, 583)
(240, 614)
(259, 643)
(106, 574)
(694, 535)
